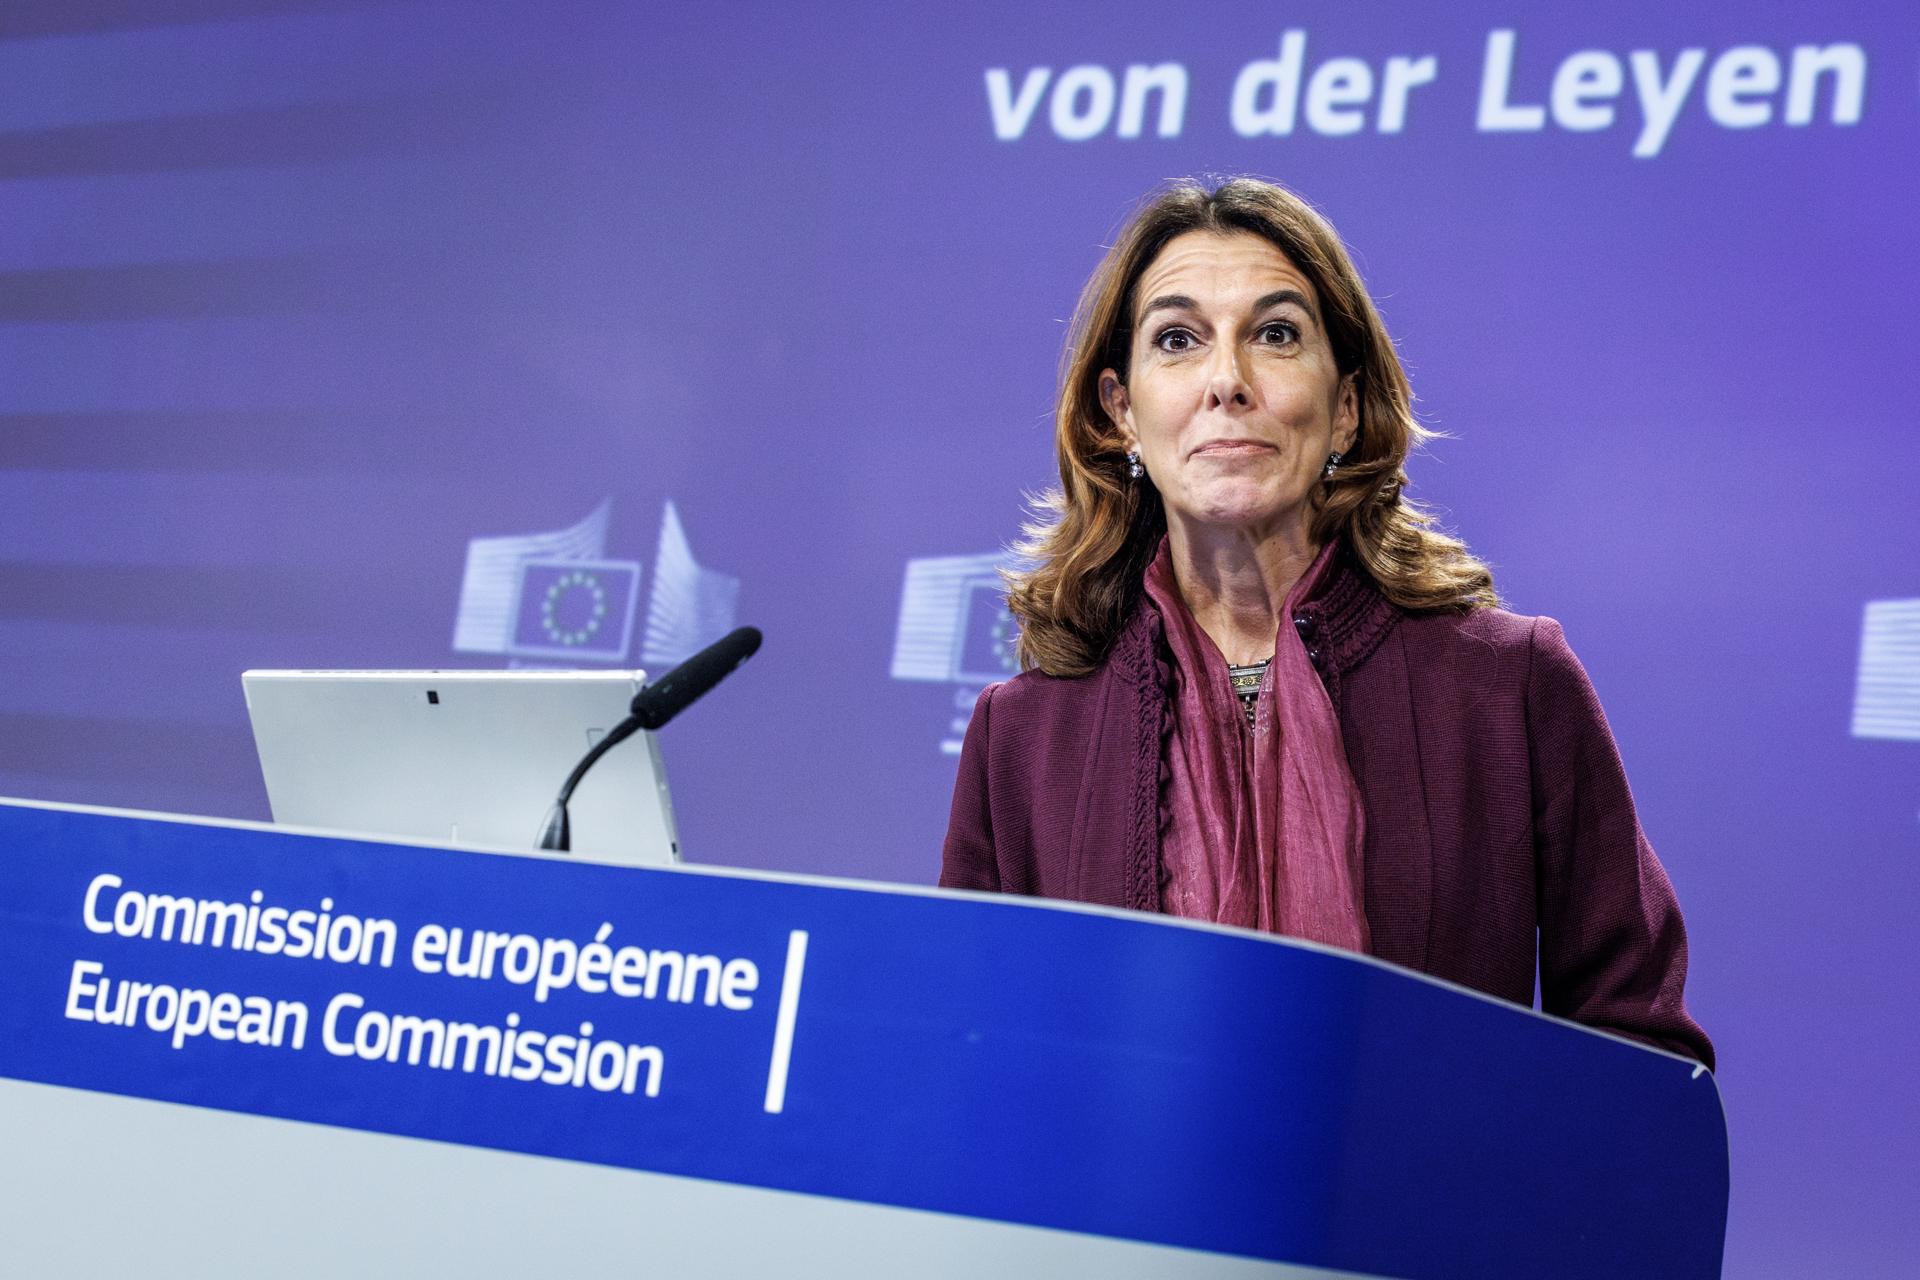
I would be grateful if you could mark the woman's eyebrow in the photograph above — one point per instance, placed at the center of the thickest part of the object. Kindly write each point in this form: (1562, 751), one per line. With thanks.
(1169, 302)
(1280, 297)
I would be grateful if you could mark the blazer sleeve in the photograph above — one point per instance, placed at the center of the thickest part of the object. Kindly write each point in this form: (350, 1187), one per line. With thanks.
(1613, 949)
(968, 861)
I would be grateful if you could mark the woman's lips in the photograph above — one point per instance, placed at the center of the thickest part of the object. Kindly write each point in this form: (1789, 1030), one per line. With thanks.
(1232, 448)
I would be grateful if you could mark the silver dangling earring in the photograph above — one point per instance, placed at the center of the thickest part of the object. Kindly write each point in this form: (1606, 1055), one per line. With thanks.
(1134, 469)
(1333, 464)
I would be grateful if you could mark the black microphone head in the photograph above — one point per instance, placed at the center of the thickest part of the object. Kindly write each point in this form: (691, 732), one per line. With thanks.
(672, 693)
(746, 639)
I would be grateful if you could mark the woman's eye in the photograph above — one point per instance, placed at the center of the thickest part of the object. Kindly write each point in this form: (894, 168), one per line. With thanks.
(1175, 340)
(1279, 333)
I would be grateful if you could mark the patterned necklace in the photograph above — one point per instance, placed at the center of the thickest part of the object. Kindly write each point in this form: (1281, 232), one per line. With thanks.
(1246, 684)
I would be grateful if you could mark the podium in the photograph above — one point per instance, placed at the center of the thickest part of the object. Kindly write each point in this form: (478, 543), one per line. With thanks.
(232, 1049)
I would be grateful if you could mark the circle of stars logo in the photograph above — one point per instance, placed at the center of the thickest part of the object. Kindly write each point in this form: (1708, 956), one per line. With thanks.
(580, 594)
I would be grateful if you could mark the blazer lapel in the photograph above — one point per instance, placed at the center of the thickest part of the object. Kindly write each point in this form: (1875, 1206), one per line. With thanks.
(1114, 853)
(1382, 739)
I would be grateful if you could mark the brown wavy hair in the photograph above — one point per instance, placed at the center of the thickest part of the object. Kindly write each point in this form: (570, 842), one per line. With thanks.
(1091, 539)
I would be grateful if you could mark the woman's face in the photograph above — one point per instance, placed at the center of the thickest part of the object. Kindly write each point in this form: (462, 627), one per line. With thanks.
(1233, 398)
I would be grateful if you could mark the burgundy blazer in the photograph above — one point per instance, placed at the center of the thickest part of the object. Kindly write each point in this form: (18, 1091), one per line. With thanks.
(1497, 809)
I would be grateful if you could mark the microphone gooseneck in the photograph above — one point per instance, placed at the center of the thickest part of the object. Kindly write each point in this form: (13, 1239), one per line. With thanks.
(652, 707)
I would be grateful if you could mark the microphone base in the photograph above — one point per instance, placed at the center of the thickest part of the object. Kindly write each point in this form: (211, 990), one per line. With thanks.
(555, 834)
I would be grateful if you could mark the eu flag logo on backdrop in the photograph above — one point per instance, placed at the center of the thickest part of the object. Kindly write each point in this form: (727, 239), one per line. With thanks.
(520, 595)
(989, 637)
(575, 609)
(954, 628)
(951, 628)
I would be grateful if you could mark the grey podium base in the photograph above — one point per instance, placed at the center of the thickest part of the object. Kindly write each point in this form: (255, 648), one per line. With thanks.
(101, 1185)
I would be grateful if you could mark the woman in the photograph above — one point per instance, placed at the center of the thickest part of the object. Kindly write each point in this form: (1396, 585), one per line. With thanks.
(1260, 689)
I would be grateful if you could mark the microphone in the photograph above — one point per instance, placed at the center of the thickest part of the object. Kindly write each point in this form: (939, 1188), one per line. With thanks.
(652, 707)
(677, 690)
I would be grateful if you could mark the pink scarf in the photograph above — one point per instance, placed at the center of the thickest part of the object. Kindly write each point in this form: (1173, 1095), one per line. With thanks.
(1260, 828)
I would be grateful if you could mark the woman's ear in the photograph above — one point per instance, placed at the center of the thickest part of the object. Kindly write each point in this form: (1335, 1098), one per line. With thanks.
(1346, 414)
(1119, 407)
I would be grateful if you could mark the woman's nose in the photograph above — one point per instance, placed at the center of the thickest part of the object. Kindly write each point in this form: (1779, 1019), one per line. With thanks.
(1227, 384)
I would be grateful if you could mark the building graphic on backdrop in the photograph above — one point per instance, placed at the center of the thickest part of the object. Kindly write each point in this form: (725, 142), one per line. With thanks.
(1886, 696)
(549, 598)
(955, 629)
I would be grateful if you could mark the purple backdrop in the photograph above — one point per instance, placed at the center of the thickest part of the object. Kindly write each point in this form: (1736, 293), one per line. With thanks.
(299, 299)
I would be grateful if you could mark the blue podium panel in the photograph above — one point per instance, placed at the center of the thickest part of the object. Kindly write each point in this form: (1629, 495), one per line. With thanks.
(1015, 1062)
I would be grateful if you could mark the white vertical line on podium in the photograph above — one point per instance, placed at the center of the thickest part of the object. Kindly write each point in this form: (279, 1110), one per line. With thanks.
(783, 1027)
